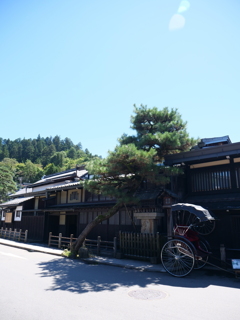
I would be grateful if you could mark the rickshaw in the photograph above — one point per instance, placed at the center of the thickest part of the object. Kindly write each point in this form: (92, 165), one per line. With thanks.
(187, 249)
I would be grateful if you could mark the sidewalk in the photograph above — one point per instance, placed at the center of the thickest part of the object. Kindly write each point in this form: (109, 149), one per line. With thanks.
(123, 263)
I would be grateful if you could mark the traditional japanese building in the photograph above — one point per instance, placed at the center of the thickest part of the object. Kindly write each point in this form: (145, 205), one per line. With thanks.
(212, 179)
(58, 203)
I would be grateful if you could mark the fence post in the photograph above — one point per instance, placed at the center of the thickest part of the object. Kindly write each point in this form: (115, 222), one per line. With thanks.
(158, 245)
(223, 254)
(1, 232)
(98, 245)
(120, 241)
(71, 237)
(9, 235)
(115, 247)
(14, 234)
(19, 236)
(25, 238)
(59, 240)
(49, 239)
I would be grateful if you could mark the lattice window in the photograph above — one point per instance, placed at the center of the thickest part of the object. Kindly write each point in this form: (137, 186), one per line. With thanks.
(213, 180)
(74, 195)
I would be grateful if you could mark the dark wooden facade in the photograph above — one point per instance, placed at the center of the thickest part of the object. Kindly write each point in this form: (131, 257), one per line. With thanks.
(59, 204)
(212, 180)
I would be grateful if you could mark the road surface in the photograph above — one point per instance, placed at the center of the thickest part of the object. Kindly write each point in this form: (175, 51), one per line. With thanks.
(37, 286)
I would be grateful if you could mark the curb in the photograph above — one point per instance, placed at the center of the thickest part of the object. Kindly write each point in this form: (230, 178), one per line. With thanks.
(33, 248)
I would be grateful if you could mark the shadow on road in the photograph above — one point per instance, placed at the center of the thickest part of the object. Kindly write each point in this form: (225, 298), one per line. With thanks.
(78, 277)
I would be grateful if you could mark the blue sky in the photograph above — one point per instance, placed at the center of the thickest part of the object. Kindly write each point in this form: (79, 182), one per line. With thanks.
(75, 68)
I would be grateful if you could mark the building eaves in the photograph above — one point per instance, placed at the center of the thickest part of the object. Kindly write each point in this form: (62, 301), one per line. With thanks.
(14, 202)
(215, 152)
(59, 177)
(80, 205)
(64, 186)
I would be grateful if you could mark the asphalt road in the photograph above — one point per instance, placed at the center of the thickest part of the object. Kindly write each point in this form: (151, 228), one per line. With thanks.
(38, 286)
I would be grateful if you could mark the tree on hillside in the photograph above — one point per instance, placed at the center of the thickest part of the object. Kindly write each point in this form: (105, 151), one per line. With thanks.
(29, 172)
(47, 153)
(11, 164)
(58, 158)
(72, 153)
(7, 185)
(159, 132)
(51, 168)
(32, 172)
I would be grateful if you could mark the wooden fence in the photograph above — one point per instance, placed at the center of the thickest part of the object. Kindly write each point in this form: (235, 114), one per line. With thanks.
(14, 234)
(141, 245)
(98, 245)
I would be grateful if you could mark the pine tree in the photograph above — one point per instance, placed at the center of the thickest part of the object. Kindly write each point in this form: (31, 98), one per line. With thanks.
(159, 132)
(162, 130)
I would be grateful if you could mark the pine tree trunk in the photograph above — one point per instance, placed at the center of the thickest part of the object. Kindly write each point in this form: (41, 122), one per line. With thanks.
(79, 242)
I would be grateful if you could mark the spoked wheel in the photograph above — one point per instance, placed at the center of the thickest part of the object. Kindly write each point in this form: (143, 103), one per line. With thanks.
(199, 264)
(177, 258)
(204, 228)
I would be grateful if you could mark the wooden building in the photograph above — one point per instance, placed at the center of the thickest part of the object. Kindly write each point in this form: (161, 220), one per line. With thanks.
(212, 179)
(58, 203)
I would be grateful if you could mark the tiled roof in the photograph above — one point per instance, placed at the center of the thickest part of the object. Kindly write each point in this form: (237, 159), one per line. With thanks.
(62, 186)
(15, 201)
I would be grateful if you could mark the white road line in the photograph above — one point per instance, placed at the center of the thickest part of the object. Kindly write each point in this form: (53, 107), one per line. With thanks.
(12, 255)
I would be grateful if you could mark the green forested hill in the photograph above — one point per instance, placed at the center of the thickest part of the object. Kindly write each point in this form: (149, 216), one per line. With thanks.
(30, 159)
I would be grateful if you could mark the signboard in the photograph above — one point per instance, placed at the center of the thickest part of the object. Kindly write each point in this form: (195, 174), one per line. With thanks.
(8, 218)
(236, 264)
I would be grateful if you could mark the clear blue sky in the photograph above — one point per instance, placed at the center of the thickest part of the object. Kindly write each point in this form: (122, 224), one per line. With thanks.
(75, 68)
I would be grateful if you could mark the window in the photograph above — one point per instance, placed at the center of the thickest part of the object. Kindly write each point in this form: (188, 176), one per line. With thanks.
(211, 180)
(237, 173)
(74, 195)
(3, 215)
(18, 214)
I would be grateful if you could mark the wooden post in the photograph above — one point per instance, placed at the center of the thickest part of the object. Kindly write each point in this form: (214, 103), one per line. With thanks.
(10, 233)
(169, 223)
(158, 245)
(115, 247)
(223, 254)
(59, 240)
(19, 235)
(14, 234)
(120, 241)
(98, 245)
(25, 238)
(49, 239)
(71, 239)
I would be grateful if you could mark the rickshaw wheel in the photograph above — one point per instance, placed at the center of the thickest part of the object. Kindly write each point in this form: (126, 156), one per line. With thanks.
(199, 264)
(205, 228)
(178, 257)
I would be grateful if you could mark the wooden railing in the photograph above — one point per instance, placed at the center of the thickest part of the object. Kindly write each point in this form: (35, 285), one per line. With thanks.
(14, 234)
(97, 245)
(102, 246)
(141, 245)
(60, 241)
